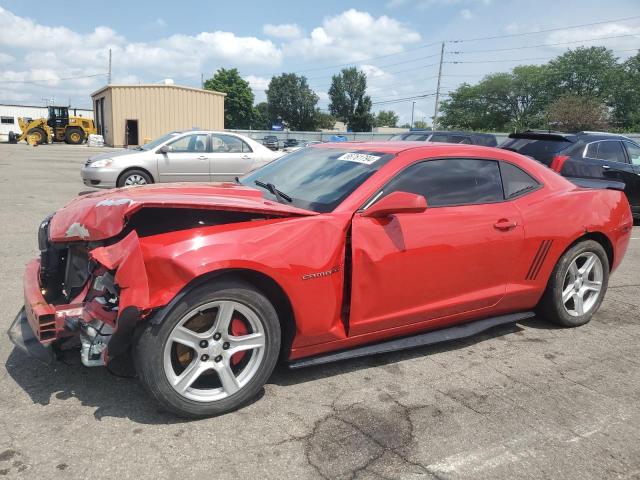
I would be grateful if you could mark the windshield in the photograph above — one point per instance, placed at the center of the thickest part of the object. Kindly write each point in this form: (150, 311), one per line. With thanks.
(158, 141)
(316, 178)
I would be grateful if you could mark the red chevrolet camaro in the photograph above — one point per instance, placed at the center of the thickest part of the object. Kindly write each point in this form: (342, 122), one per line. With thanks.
(333, 251)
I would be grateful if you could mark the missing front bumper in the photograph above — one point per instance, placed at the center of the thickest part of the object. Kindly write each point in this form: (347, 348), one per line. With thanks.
(22, 336)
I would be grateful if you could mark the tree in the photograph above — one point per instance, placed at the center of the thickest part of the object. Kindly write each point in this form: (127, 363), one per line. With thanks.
(420, 124)
(583, 71)
(261, 119)
(572, 113)
(625, 98)
(386, 118)
(349, 101)
(291, 100)
(324, 120)
(238, 104)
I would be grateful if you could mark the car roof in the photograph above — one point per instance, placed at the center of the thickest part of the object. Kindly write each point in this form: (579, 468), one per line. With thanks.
(571, 137)
(395, 147)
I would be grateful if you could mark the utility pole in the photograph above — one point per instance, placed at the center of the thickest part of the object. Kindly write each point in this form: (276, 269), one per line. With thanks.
(109, 75)
(413, 105)
(202, 81)
(435, 113)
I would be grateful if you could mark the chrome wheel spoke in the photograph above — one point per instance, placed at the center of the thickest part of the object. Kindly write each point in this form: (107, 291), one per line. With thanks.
(224, 316)
(588, 265)
(245, 342)
(228, 379)
(594, 286)
(578, 303)
(573, 271)
(186, 337)
(567, 294)
(190, 375)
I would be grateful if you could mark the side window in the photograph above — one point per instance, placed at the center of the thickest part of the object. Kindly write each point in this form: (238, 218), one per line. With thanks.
(634, 152)
(592, 150)
(516, 181)
(611, 151)
(451, 182)
(6, 120)
(228, 144)
(458, 139)
(439, 137)
(190, 144)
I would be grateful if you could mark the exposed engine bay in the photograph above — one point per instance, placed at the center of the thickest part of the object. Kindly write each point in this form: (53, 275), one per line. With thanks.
(86, 293)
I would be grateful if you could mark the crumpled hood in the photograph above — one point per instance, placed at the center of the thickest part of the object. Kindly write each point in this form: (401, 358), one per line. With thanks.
(101, 215)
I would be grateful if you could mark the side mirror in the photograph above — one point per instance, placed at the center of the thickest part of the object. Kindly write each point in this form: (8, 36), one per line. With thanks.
(165, 149)
(396, 202)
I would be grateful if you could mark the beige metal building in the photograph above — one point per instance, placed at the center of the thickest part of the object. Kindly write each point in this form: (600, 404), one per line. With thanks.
(135, 114)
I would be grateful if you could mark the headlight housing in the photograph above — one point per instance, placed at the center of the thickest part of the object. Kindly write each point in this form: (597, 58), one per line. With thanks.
(106, 162)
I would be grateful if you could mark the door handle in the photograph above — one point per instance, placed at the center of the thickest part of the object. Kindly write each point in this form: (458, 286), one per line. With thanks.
(203, 157)
(504, 224)
(606, 167)
(246, 157)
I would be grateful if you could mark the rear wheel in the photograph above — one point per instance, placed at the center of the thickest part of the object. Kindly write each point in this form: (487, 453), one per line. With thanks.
(134, 177)
(74, 136)
(214, 351)
(38, 134)
(577, 285)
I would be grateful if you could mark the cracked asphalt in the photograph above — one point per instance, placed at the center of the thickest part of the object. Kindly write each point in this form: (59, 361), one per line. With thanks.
(522, 401)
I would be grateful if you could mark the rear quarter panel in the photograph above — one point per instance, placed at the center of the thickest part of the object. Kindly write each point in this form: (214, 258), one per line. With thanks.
(560, 218)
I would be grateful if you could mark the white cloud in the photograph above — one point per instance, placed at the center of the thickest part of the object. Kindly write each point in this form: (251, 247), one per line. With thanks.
(284, 30)
(55, 52)
(600, 31)
(353, 35)
(426, 4)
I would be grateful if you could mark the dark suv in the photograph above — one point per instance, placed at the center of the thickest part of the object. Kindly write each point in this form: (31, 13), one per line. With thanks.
(471, 138)
(599, 158)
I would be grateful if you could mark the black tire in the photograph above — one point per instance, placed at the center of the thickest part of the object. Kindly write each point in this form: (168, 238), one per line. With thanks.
(12, 137)
(551, 306)
(131, 174)
(149, 352)
(74, 136)
(40, 133)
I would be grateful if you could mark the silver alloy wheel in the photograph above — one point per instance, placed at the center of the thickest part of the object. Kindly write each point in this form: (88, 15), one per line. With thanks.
(135, 179)
(212, 351)
(582, 284)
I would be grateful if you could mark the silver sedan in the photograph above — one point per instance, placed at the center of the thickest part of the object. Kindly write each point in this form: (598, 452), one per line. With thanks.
(189, 156)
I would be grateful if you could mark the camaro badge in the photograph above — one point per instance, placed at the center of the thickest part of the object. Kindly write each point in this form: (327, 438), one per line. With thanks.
(310, 276)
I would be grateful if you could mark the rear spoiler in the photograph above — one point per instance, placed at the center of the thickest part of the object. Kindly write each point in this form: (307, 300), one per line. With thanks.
(597, 183)
(543, 136)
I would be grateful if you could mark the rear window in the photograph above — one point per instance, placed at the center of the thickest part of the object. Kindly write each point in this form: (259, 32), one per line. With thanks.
(541, 150)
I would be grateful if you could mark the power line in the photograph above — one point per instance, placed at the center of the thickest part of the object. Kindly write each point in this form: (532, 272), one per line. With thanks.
(524, 59)
(547, 30)
(54, 79)
(546, 44)
(409, 50)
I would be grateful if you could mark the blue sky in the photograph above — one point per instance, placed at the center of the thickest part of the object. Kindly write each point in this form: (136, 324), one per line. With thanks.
(393, 41)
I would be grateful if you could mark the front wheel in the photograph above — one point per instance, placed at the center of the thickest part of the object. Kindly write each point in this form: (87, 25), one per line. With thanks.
(134, 177)
(577, 285)
(213, 352)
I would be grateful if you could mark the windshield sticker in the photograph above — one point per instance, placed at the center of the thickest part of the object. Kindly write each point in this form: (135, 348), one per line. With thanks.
(358, 158)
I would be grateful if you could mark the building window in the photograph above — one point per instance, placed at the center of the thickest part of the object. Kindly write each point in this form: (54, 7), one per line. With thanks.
(6, 120)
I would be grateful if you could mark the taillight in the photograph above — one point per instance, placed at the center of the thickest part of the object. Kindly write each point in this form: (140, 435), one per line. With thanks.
(557, 162)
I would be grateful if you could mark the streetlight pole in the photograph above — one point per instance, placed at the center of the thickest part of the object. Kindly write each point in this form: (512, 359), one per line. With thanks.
(413, 105)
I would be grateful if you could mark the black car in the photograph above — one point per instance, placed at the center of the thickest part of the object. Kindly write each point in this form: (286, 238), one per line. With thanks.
(471, 138)
(585, 156)
(271, 141)
(290, 142)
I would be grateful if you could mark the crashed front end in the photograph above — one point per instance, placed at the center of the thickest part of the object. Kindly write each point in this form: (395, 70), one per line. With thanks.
(72, 298)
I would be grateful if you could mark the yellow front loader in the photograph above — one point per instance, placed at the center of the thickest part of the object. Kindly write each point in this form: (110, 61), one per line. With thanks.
(59, 127)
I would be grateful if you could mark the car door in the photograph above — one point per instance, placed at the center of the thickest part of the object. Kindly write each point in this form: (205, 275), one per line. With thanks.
(614, 164)
(633, 156)
(230, 157)
(455, 257)
(187, 159)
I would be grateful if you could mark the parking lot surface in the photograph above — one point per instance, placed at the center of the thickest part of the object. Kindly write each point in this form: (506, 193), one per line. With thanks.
(525, 401)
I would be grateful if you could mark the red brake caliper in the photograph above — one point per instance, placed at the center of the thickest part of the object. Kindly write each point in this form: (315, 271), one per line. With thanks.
(238, 328)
